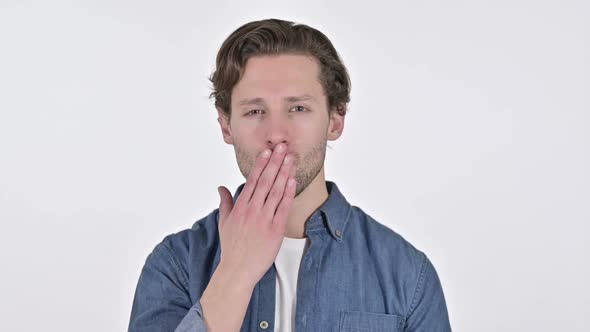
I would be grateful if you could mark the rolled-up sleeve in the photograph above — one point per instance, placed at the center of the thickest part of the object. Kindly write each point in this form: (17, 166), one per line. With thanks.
(428, 309)
(162, 301)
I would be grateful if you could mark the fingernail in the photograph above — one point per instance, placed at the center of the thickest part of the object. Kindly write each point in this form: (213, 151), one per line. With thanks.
(281, 147)
(266, 153)
(287, 159)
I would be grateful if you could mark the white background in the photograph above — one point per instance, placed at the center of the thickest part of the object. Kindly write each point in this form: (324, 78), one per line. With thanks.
(468, 135)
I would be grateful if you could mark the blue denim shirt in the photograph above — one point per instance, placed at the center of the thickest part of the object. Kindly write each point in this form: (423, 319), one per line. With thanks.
(356, 275)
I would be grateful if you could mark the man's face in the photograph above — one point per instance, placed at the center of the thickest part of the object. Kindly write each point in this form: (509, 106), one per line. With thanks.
(280, 99)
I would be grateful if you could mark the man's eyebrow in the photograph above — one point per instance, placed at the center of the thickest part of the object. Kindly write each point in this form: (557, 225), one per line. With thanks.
(290, 99)
(293, 99)
(251, 101)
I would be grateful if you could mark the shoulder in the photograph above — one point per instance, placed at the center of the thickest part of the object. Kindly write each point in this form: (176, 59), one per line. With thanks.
(202, 234)
(197, 244)
(387, 248)
(399, 262)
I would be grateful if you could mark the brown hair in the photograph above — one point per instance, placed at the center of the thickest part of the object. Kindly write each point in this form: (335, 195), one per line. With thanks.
(273, 37)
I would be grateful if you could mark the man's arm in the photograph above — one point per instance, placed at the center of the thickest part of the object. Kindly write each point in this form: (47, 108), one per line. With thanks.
(428, 309)
(251, 232)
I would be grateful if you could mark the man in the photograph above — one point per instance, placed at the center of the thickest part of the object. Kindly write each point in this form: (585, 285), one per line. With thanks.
(287, 252)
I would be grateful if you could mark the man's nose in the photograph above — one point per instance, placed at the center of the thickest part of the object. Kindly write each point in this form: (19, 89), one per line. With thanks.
(277, 131)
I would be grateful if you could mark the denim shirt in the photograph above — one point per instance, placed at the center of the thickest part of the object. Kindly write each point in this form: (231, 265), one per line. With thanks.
(356, 275)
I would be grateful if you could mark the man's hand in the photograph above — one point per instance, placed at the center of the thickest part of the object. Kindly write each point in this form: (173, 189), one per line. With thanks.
(251, 231)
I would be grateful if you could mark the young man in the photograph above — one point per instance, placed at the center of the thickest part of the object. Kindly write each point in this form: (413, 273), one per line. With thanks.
(287, 252)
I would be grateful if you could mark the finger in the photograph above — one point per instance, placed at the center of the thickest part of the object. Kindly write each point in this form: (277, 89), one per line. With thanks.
(293, 170)
(267, 178)
(276, 193)
(261, 161)
(293, 173)
(280, 219)
(226, 203)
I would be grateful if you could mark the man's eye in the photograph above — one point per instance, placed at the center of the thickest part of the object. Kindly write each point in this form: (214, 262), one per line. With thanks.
(299, 109)
(254, 112)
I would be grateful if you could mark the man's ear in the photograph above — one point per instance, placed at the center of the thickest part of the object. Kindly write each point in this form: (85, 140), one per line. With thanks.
(223, 120)
(336, 125)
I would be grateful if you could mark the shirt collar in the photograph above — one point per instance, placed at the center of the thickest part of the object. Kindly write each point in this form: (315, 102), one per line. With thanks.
(333, 214)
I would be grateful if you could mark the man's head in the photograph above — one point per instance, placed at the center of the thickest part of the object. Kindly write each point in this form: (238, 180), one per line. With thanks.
(277, 81)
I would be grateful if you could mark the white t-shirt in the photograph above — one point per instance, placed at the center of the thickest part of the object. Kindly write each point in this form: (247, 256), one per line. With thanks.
(287, 265)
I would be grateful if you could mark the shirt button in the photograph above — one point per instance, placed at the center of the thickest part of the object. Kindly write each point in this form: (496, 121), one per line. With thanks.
(263, 325)
(338, 233)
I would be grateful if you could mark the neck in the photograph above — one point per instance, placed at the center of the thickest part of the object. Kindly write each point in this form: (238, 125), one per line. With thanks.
(305, 204)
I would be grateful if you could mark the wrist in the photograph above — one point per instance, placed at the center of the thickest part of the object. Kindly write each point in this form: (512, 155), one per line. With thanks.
(234, 279)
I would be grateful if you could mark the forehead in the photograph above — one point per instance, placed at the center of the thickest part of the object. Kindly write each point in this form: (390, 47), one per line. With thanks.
(279, 75)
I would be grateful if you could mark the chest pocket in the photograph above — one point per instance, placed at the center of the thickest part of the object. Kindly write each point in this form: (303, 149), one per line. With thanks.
(357, 321)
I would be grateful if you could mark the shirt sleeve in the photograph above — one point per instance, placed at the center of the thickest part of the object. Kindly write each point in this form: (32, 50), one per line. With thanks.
(162, 301)
(428, 310)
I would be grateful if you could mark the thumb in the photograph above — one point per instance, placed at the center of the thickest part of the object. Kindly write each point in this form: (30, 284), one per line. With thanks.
(226, 203)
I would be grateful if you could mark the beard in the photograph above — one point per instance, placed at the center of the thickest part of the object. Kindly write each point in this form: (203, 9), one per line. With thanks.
(308, 167)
